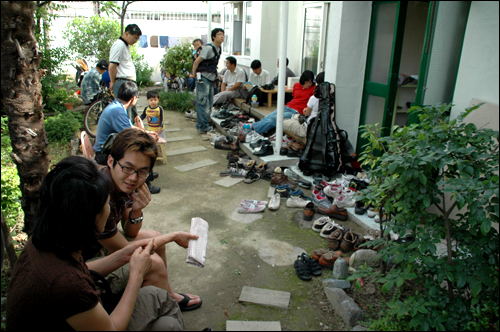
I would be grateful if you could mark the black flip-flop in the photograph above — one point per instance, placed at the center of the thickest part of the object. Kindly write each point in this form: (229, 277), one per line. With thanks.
(314, 266)
(183, 305)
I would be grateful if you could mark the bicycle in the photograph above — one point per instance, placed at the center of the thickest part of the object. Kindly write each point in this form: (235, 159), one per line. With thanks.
(93, 113)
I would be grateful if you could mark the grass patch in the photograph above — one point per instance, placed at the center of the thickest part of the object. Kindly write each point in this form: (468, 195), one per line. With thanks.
(176, 101)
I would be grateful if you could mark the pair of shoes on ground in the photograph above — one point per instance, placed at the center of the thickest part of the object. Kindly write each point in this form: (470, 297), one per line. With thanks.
(279, 179)
(332, 211)
(286, 191)
(233, 171)
(326, 257)
(153, 189)
(306, 267)
(325, 226)
(251, 206)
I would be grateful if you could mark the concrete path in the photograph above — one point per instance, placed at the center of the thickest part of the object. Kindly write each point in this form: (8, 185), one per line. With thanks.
(244, 250)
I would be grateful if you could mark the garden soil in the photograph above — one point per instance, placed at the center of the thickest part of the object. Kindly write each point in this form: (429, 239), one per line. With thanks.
(257, 252)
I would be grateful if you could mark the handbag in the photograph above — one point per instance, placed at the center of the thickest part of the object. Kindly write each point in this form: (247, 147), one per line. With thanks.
(108, 298)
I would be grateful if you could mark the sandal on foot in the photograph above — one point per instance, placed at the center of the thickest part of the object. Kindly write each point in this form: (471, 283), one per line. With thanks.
(314, 267)
(302, 269)
(183, 304)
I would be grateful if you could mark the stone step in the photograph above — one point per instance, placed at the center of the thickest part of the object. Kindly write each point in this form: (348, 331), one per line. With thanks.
(186, 150)
(268, 297)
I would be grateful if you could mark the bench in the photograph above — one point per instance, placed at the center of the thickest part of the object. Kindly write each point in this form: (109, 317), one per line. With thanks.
(260, 112)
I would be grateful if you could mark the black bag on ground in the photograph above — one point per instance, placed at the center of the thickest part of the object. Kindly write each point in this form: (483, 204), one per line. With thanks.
(322, 153)
(255, 91)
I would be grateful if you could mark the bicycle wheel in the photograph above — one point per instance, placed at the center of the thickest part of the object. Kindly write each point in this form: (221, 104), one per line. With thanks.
(92, 116)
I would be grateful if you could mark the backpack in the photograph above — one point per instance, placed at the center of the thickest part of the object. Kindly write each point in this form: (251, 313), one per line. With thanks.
(255, 91)
(323, 151)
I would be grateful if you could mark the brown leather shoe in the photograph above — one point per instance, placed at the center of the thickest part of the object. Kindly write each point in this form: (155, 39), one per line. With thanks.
(318, 253)
(348, 241)
(281, 179)
(334, 211)
(327, 260)
(359, 242)
(309, 211)
(335, 239)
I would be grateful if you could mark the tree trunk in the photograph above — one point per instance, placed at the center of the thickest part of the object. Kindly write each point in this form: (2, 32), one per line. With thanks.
(22, 102)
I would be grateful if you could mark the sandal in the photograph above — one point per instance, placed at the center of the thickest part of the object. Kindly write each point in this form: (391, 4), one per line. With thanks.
(314, 267)
(302, 269)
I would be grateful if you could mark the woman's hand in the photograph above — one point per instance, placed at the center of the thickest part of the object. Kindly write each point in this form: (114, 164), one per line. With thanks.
(182, 238)
(140, 262)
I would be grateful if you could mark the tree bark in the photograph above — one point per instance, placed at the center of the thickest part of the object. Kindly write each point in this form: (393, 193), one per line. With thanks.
(22, 102)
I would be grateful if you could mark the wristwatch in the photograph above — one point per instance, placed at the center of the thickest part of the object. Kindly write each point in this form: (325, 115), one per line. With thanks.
(136, 220)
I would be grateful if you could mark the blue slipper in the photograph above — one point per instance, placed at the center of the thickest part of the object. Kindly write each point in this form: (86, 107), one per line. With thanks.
(183, 305)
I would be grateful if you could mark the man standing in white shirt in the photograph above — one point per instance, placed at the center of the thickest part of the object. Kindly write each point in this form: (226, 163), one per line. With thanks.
(233, 78)
(121, 68)
(259, 76)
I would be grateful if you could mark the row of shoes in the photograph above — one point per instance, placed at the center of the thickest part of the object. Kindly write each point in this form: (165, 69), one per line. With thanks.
(338, 236)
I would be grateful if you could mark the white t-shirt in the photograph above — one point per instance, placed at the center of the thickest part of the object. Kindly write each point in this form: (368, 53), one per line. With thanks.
(120, 54)
(232, 78)
(263, 78)
(313, 104)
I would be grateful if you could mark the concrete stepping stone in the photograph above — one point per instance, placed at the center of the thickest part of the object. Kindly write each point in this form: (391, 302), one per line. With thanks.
(229, 181)
(186, 150)
(178, 138)
(238, 325)
(268, 297)
(198, 164)
(169, 130)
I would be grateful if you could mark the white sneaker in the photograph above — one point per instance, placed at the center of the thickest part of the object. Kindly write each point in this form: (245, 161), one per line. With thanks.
(333, 191)
(320, 223)
(296, 202)
(346, 179)
(250, 208)
(254, 202)
(342, 202)
(274, 203)
(372, 212)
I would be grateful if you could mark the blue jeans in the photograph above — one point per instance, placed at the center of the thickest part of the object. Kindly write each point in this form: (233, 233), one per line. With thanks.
(191, 83)
(204, 102)
(132, 112)
(269, 122)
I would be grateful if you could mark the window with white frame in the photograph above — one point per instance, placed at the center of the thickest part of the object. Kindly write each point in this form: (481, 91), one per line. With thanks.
(237, 26)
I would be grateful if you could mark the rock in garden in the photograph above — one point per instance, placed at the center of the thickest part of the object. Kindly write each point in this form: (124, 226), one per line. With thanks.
(362, 256)
(340, 269)
(335, 283)
(344, 305)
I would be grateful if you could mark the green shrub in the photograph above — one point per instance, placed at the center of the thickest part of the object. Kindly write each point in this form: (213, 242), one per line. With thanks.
(412, 169)
(176, 101)
(61, 127)
(11, 193)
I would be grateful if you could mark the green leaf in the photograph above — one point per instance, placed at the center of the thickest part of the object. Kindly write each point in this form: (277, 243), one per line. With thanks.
(400, 281)
(387, 286)
(427, 201)
(461, 282)
(476, 288)
(486, 226)
(422, 310)
(393, 166)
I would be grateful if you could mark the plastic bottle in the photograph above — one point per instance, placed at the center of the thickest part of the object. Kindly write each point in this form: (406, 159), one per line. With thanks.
(254, 98)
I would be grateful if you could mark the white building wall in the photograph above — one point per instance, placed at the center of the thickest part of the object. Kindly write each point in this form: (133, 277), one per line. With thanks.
(348, 34)
(478, 72)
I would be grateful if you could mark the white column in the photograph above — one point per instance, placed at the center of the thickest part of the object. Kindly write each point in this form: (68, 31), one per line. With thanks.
(209, 22)
(282, 76)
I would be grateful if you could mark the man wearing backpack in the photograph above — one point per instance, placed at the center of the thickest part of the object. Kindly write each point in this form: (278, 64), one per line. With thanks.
(206, 64)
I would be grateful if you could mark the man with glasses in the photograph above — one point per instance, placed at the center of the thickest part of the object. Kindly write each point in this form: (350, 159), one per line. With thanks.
(121, 68)
(132, 157)
(114, 119)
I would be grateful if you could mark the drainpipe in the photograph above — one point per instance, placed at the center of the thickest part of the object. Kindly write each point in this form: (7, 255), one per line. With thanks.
(209, 22)
(282, 77)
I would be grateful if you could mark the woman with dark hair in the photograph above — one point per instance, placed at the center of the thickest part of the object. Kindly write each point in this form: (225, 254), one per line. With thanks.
(302, 91)
(51, 285)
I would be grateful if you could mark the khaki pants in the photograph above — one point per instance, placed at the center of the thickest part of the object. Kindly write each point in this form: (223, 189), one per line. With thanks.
(293, 126)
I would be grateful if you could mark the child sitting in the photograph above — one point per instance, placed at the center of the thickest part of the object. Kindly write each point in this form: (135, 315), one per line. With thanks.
(154, 112)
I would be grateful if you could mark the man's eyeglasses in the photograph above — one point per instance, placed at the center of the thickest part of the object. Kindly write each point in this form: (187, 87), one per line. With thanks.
(131, 171)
